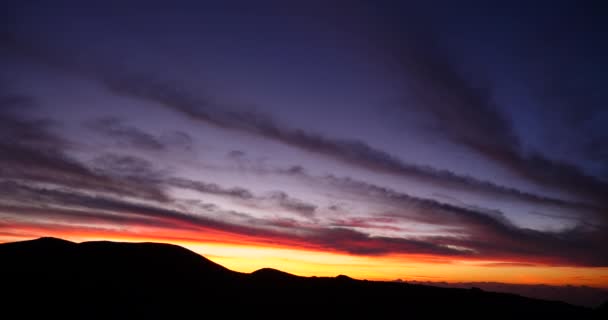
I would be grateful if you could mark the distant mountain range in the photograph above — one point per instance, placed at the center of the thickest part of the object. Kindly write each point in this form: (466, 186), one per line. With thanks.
(578, 295)
(58, 279)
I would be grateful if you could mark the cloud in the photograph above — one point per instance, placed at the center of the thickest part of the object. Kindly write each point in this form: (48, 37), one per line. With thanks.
(51, 198)
(328, 238)
(291, 204)
(355, 242)
(478, 126)
(36, 165)
(236, 154)
(211, 188)
(61, 216)
(488, 233)
(276, 199)
(475, 233)
(508, 264)
(126, 135)
(353, 152)
(31, 151)
(381, 223)
(418, 208)
(127, 166)
(483, 237)
(17, 129)
(178, 139)
(133, 137)
(493, 238)
(466, 114)
(38, 155)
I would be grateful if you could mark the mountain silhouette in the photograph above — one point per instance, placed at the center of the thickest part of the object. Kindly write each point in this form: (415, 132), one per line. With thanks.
(273, 275)
(58, 279)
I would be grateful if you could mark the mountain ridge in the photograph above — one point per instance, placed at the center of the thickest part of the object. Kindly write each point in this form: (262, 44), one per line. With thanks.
(155, 279)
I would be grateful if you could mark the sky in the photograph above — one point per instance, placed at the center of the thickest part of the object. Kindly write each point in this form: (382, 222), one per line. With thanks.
(426, 141)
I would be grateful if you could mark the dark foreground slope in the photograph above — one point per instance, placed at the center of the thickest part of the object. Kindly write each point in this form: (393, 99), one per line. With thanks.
(59, 279)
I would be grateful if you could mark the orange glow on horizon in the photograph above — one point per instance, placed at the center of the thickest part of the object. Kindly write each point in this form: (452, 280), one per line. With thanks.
(247, 254)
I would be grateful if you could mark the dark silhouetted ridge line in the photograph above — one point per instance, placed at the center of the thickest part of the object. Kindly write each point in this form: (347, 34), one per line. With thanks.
(62, 279)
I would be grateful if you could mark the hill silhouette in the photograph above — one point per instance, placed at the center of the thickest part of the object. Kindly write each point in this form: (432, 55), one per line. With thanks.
(54, 278)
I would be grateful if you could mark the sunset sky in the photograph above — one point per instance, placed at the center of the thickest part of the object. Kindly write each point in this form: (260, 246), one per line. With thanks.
(439, 141)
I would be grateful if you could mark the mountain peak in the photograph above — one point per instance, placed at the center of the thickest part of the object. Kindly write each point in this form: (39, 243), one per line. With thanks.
(343, 278)
(43, 242)
(51, 240)
(270, 273)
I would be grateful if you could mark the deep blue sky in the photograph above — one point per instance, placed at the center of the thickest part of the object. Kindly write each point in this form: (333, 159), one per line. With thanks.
(446, 128)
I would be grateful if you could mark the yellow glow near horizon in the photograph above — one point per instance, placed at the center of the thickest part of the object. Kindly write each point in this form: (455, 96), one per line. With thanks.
(250, 257)
(388, 268)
